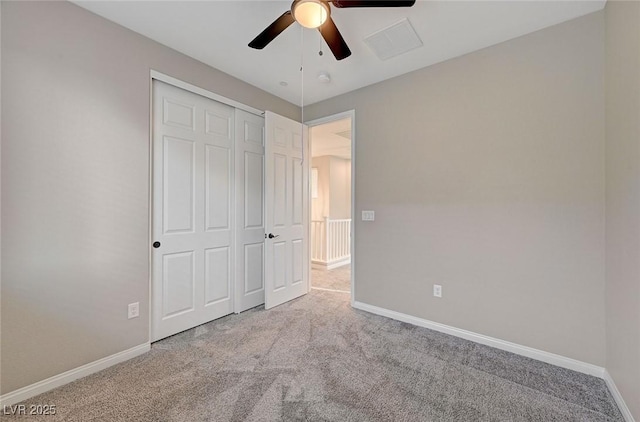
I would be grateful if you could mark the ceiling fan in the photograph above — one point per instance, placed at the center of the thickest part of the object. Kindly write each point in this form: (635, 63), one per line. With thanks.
(317, 14)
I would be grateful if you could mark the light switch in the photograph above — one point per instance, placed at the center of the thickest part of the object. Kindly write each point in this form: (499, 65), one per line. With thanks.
(368, 215)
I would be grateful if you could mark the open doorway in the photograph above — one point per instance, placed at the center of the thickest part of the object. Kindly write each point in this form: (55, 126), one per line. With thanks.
(331, 203)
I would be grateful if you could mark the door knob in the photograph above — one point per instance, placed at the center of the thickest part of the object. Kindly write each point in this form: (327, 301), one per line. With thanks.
(156, 245)
(272, 236)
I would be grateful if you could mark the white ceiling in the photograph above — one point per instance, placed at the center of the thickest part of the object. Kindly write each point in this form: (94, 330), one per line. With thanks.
(217, 33)
(329, 139)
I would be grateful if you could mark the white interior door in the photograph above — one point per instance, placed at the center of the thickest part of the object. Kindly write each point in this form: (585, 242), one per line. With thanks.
(193, 217)
(249, 150)
(286, 212)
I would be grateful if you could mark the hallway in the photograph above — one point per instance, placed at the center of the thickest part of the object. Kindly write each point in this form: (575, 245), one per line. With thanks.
(338, 279)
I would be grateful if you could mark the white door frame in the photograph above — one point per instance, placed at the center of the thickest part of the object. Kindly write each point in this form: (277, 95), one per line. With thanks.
(321, 121)
(159, 76)
(200, 91)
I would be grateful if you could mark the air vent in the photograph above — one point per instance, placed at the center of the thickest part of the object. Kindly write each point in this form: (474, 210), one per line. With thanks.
(394, 40)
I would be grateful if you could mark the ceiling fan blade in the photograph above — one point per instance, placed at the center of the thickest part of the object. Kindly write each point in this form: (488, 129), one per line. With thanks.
(272, 31)
(372, 3)
(334, 39)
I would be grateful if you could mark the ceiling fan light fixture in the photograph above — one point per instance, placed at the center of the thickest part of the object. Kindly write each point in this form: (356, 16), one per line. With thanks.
(317, 14)
(310, 13)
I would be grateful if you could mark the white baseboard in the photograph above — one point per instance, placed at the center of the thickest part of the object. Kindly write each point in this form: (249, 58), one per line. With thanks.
(624, 409)
(321, 265)
(331, 290)
(338, 264)
(518, 349)
(40, 387)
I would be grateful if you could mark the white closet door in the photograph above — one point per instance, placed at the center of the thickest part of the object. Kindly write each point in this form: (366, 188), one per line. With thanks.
(287, 210)
(250, 245)
(193, 219)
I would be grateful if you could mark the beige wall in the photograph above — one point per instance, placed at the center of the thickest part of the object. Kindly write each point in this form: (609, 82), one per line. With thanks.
(623, 198)
(340, 175)
(486, 174)
(75, 183)
(334, 188)
(321, 206)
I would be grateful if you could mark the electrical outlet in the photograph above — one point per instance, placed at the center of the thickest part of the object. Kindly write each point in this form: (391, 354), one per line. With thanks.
(437, 290)
(133, 310)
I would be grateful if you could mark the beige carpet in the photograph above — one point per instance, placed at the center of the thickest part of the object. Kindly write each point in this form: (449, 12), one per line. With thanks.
(336, 279)
(317, 359)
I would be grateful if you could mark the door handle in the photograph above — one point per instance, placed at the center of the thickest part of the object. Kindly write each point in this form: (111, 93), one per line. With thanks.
(156, 245)
(273, 236)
